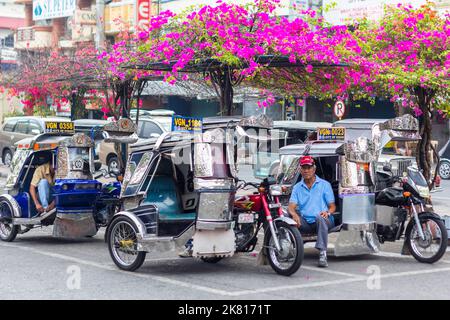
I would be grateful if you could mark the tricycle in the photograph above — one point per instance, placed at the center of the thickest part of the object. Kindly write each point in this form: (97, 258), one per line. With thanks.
(178, 196)
(372, 207)
(81, 203)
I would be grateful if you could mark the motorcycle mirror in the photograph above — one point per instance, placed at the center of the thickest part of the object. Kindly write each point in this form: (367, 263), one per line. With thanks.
(97, 165)
(387, 167)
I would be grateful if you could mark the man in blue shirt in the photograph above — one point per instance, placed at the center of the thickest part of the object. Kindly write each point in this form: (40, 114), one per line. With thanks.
(312, 204)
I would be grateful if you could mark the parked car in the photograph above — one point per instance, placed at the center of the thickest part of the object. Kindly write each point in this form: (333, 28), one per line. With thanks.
(444, 164)
(18, 128)
(162, 116)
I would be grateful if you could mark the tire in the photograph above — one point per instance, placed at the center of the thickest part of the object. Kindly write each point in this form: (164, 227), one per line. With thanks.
(125, 224)
(211, 259)
(410, 235)
(444, 170)
(113, 162)
(8, 231)
(7, 157)
(272, 254)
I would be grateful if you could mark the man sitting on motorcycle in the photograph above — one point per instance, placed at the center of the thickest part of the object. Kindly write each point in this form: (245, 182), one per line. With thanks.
(312, 205)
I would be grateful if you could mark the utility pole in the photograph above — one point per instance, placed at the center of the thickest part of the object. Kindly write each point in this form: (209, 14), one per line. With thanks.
(100, 23)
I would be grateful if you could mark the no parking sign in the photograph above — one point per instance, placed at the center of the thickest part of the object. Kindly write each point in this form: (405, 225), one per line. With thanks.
(339, 109)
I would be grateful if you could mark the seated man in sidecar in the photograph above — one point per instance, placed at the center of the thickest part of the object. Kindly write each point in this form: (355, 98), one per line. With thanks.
(43, 180)
(312, 205)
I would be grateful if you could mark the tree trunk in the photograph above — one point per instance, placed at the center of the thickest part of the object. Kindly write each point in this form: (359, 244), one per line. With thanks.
(424, 162)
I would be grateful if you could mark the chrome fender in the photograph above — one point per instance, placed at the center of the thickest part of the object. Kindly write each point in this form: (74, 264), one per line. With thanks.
(17, 211)
(139, 224)
(287, 220)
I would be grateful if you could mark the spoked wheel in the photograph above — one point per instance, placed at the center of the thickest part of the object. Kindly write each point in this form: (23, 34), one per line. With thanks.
(122, 244)
(433, 246)
(8, 231)
(289, 259)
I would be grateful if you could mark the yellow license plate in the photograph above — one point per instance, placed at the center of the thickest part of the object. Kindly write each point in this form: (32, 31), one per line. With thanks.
(59, 127)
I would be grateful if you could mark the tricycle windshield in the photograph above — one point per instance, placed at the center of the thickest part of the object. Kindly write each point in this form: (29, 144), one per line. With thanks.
(136, 174)
(290, 168)
(17, 163)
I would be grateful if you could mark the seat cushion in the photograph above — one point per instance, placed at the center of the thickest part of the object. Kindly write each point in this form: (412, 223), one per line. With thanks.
(163, 193)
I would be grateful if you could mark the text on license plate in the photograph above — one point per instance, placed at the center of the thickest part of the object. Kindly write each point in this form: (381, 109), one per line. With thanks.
(246, 218)
(274, 205)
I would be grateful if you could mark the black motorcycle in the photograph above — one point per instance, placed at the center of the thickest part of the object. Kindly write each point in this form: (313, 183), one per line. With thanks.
(425, 235)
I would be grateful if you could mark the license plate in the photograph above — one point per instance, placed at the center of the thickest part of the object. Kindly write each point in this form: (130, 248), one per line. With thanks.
(59, 127)
(246, 218)
(274, 205)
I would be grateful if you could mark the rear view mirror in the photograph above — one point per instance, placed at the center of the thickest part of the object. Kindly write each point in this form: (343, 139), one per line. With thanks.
(97, 165)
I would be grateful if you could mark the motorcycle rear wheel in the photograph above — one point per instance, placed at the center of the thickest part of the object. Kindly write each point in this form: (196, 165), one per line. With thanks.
(434, 230)
(289, 259)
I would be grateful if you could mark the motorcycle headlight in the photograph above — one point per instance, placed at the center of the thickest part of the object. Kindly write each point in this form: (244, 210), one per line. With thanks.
(275, 190)
(424, 192)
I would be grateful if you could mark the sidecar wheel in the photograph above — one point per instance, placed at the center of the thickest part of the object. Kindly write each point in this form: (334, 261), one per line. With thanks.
(122, 244)
(8, 231)
(289, 260)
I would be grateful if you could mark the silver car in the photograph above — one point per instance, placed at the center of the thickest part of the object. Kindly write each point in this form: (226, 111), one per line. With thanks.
(17, 128)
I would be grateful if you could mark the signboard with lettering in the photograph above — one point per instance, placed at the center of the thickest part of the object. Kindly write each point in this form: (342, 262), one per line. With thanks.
(143, 13)
(59, 127)
(50, 9)
(188, 124)
(339, 109)
(346, 11)
(331, 134)
(85, 17)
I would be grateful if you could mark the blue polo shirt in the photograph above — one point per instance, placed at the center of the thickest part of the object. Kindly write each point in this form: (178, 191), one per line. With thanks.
(311, 202)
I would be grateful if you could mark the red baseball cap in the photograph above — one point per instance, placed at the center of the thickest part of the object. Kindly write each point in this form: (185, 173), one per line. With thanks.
(306, 161)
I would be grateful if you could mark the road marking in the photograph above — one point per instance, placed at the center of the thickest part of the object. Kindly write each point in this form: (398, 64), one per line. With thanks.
(317, 269)
(355, 278)
(115, 269)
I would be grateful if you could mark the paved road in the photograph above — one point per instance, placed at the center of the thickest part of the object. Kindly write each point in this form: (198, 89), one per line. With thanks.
(37, 266)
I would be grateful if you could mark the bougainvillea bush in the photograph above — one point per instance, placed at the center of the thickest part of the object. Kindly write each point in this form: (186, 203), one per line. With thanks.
(411, 51)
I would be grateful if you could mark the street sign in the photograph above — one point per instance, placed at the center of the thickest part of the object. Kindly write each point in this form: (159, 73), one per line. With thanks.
(143, 12)
(339, 109)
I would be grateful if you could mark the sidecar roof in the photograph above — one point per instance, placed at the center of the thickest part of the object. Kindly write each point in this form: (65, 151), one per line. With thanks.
(317, 149)
(45, 141)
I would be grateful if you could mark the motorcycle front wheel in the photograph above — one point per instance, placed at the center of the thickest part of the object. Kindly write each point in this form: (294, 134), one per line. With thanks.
(289, 259)
(433, 246)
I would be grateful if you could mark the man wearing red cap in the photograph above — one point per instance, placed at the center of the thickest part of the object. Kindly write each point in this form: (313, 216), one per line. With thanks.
(312, 204)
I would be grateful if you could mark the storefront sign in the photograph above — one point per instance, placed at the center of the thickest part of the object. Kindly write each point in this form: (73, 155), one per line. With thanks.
(50, 9)
(143, 13)
(180, 123)
(83, 17)
(345, 11)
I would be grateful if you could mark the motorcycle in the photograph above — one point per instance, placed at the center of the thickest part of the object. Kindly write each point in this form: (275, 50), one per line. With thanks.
(425, 234)
(283, 245)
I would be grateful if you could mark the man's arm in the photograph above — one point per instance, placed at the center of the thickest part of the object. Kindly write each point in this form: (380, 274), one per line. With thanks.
(34, 196)
(292, 209)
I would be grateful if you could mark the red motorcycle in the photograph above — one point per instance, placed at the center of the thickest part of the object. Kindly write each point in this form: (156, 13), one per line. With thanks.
(283, 245)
